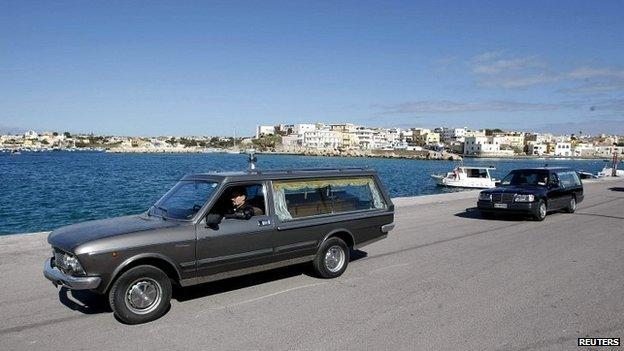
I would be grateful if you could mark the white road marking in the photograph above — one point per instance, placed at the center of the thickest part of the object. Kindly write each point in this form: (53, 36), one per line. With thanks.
(262, 297)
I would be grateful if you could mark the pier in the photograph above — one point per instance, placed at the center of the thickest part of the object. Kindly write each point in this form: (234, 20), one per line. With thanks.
(445, 278)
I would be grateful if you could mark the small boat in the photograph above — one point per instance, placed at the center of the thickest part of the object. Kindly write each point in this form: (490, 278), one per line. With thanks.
(16, 152)
(608, 172)
(467, 177)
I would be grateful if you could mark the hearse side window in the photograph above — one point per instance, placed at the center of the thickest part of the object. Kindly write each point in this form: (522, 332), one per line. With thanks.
(569, 179)
(254, 197)
(298, 199)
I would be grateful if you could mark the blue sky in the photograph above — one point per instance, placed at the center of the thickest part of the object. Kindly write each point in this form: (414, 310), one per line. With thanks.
(212, 67)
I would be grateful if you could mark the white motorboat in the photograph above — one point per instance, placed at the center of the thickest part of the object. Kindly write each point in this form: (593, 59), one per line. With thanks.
(608, 172)
(467, 177)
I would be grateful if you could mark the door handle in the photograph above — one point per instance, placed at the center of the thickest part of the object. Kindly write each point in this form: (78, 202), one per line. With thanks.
(263, 222)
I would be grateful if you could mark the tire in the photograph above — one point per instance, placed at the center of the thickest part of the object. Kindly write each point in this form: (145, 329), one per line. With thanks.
(571, 206)
(331, 259)
(540, 211)
(130, 295)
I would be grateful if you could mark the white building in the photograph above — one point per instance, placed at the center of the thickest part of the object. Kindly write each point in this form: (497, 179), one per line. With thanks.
(322, 139)
(607, 151)
(365, 137)
(264, 130)
(303, 128)
(485, 146)
(343, 127)
(537, 149)
(563, 149)
(291, 141)
(448, 135)
(584, 150)
(31, 134)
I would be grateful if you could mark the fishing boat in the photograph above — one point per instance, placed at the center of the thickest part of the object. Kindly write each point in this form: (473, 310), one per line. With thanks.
(467, 177)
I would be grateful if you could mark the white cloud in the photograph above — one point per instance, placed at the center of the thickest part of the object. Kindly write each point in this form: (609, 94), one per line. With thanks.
(445, 106)
(493, 70)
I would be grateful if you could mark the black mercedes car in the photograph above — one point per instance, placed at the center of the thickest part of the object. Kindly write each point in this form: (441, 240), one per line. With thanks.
(533, 192)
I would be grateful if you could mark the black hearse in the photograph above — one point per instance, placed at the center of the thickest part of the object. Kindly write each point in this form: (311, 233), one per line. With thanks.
(533, 192)
(214, 226)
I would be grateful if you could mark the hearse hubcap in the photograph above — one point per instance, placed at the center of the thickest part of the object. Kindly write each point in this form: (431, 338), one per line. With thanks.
(143, 296)
(334, 258)
(542, 210)
(573, 204)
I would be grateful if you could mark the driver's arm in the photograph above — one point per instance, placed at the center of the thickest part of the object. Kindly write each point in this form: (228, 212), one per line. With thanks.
(244, 213)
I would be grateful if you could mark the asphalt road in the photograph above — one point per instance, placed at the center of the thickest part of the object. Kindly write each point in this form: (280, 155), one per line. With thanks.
(445, 279)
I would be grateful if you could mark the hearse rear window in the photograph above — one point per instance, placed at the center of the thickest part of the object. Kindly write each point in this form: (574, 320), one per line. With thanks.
(306, 198)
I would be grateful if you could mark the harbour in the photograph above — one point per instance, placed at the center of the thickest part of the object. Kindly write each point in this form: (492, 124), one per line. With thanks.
(46, 190)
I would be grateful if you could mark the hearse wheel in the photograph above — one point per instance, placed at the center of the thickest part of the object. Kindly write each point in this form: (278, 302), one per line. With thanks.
(332, 258)
(571, 206)
(540, 212)
(140, 295)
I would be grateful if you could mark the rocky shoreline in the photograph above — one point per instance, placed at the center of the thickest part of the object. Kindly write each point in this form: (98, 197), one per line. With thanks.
(398, 154)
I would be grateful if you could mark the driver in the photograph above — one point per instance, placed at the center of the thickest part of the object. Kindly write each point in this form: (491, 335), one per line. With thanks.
(240, 208)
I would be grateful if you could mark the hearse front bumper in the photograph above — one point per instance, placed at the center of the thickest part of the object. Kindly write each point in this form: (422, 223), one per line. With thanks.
(75, 283)
(513, 207)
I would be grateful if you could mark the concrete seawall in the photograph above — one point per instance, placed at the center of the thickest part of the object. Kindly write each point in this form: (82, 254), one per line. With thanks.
(445, 278)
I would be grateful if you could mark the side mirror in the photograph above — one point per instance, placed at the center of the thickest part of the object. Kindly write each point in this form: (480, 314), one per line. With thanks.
(213, 219)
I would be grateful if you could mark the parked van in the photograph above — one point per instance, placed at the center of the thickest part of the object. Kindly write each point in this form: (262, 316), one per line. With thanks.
(218, 225)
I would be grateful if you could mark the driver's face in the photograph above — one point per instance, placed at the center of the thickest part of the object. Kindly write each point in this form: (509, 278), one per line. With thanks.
(238, 200)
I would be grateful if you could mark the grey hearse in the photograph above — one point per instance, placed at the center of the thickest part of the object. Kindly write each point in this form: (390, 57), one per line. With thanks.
(217, 225)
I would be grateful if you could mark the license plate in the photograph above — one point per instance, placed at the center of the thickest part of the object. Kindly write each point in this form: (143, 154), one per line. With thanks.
(500, 205)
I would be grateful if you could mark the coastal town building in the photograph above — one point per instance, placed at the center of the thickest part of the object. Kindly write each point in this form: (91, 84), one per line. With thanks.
(485, 146)
(563, 149)
(536, 149)
(264, 130)
(449, 135)
(339, 137)
(424, 136)
(322, 139)
(608, 151)
(583, 150)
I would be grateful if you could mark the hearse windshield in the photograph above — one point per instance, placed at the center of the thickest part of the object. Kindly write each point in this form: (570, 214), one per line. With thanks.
(526, 177)
(184, 200)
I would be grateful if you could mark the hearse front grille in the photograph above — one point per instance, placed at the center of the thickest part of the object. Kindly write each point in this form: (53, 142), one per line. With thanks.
(502, 197)
(59, 260)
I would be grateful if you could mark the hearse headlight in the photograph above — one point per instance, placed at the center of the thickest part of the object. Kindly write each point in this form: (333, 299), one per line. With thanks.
(524, 198)
(74, 266)
(485, 197)
(68, 263)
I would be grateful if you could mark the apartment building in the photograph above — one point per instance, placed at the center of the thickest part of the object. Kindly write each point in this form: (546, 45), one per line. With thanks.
(264, 130)
(424, 136)
(563, 149)
(322, 139)
(485, 146)
(536, 149)
(449, 135)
